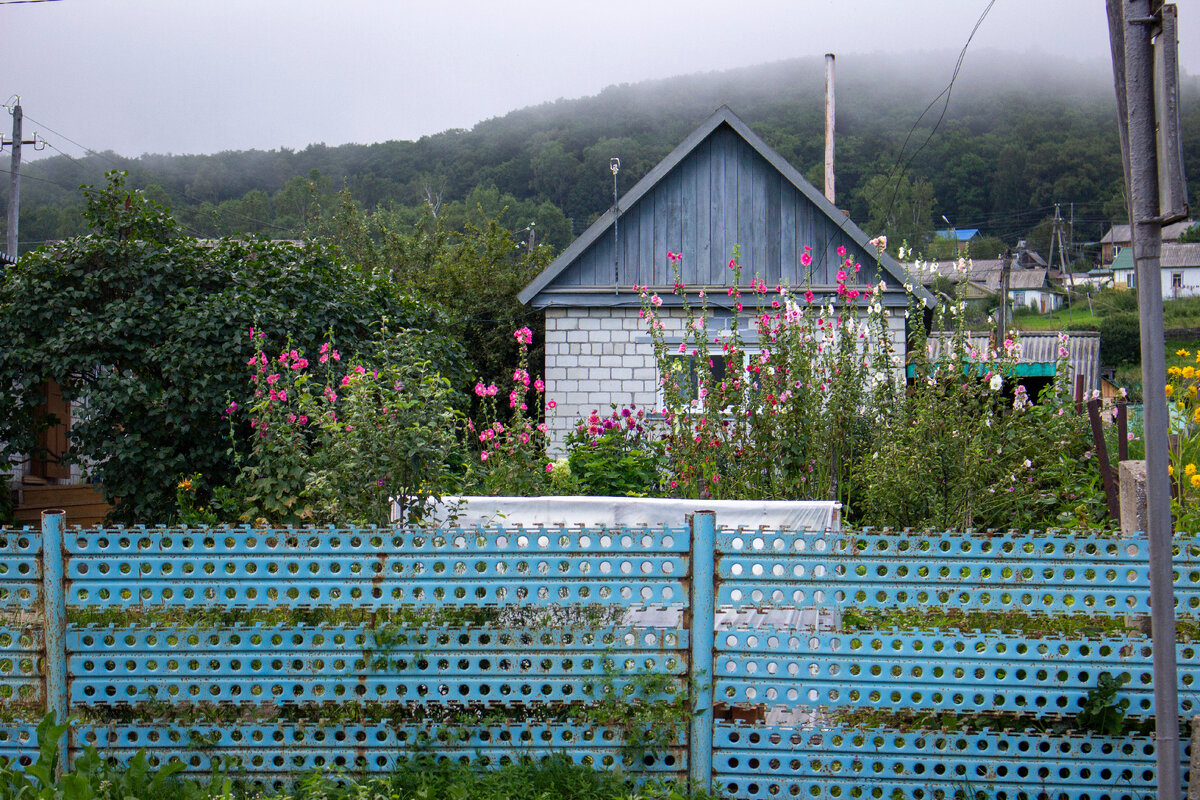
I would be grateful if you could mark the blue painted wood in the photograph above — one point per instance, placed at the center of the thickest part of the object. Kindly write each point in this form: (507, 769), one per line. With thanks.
(725, 193)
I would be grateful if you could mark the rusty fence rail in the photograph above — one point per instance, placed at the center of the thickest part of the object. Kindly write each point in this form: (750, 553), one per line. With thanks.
(244, 647)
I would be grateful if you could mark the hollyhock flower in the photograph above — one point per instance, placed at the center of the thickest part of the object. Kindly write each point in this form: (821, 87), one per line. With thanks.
(539, 385)
(841, 251)
(551, 404)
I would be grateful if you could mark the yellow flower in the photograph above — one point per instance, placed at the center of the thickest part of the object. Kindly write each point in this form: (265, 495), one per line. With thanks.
(1174, 371)
(1196, 481)
(1182, 352)
(1189, 372)
(185, 484)
(1170, 390)
(1192, 390)
(1196, 416)
(1190, 469)
(1170, 470)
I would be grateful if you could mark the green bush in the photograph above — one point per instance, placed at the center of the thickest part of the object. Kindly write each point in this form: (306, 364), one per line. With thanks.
(145, 327)
(1120, 340)
(615, 455)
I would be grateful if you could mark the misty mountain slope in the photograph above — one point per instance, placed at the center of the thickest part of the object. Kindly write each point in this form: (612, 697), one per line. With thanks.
(1021, 133)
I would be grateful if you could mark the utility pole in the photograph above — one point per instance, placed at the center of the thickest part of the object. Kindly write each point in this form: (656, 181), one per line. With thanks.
(829, 126)
(14, 182)
(1005, 271)
(1133, 25)
(1062, 261)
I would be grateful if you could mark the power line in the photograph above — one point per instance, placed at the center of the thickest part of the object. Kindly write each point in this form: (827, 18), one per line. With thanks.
(15, 2)
(84, 148)
(945, 107)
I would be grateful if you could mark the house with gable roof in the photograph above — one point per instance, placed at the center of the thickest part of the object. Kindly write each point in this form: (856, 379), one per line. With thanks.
(722, 188)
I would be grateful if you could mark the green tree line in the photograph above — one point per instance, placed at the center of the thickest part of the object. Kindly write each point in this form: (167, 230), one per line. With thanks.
(1005, 151)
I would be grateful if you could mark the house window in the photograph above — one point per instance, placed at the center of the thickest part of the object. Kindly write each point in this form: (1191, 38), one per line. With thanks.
(1176, 280)
(689, 373)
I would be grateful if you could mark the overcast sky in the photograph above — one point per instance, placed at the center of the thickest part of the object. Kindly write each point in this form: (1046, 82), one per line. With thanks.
(139, 76)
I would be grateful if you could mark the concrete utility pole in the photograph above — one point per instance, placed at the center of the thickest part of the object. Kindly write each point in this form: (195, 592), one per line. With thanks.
(1132, 26)
(829, 126)
(14, 183)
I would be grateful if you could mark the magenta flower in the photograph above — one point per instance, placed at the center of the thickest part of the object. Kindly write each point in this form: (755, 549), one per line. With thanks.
(551, 404)
(523, 335)
(271, 379)
(483, 456)
(549, 468)
(841, 251)
(491, 390)
(539, 386)
(480, 389)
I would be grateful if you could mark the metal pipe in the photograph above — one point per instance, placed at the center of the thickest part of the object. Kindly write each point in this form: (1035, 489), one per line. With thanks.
(702, 612)
(1137, 82)
(829, 126)
(54, 623)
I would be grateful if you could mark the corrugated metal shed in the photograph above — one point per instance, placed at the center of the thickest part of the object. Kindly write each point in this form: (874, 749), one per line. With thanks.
(1041, 347)
(722, 187)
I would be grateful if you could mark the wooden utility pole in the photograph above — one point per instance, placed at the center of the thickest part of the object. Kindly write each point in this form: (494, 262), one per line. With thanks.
(1004, 316)
(829, 126)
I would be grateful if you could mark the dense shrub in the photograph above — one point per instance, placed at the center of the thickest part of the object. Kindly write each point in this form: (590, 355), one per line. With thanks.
(1120, 339)
(617, 454)
(144, 327)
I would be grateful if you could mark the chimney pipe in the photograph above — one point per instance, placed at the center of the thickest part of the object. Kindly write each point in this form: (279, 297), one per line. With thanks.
(829, 113)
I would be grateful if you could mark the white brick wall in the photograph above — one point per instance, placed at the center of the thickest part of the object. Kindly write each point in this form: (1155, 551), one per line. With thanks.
(599, 356)
(595, 357)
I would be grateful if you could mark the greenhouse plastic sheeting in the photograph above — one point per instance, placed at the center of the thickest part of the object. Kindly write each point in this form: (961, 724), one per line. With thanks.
(614, 512)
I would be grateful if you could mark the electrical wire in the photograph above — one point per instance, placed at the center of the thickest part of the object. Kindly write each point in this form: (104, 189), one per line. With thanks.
(84, 148)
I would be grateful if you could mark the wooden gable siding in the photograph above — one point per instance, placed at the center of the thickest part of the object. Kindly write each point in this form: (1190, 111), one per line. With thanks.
(723, 194)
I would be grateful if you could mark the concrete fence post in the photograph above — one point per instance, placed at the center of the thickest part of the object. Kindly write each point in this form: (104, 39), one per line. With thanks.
(701, 622)
(54, 624)
(1132, 487)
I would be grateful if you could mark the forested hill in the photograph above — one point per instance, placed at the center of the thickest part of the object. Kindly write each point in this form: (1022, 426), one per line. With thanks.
(1033, 133)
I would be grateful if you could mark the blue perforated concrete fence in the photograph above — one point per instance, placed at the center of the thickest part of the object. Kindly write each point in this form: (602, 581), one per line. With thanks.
(508, 634)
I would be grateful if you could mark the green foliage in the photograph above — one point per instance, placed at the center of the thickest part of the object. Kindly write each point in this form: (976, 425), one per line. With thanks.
(511, 452)
(898, 207)
(1191, 235)
(145, 328)
(1103, 711)
(788, 422)
(957, 452)
(94, 777)
(463, 260)
(334, 443)
(651, 710)
(1120, 339)
(615, 455)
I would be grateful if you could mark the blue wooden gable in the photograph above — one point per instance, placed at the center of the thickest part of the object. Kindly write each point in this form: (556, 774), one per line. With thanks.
(723, 186)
